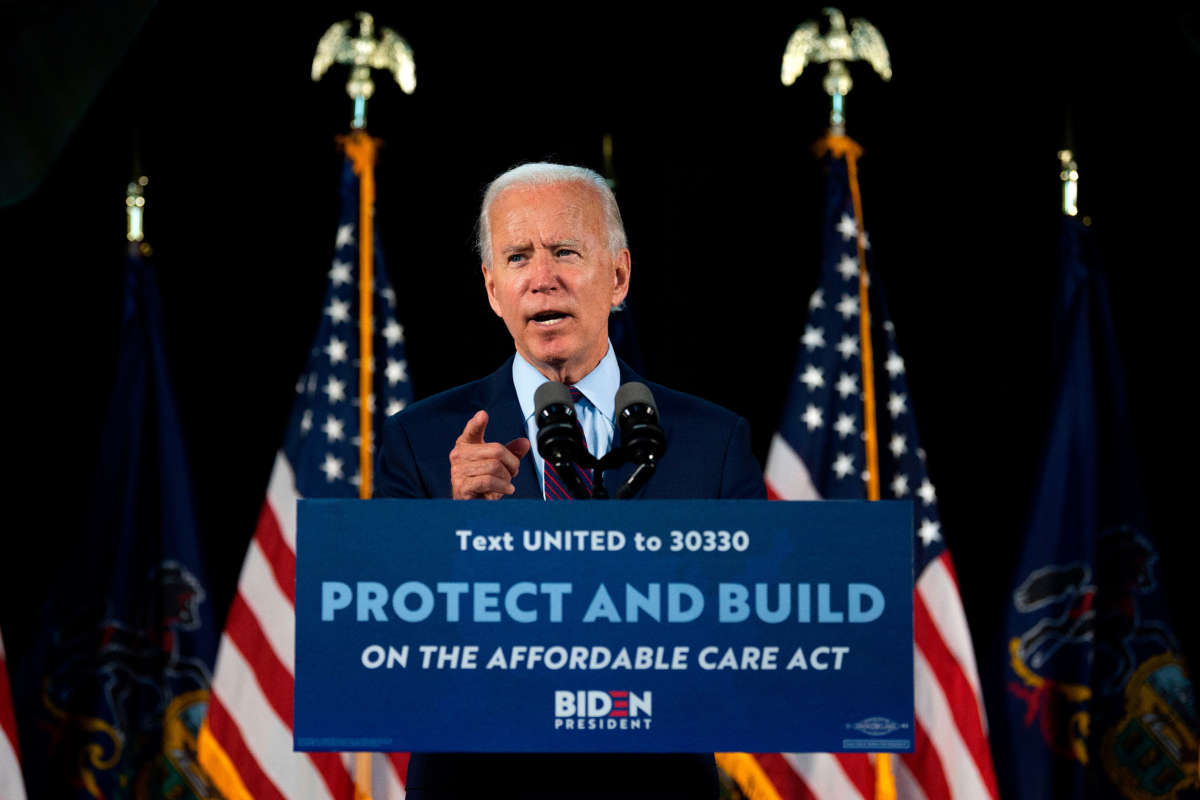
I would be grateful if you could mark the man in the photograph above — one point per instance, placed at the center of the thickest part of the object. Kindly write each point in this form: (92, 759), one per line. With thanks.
(555, 262)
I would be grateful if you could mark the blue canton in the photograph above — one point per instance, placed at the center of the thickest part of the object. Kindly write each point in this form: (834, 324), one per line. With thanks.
(322, 439)
(823, 418)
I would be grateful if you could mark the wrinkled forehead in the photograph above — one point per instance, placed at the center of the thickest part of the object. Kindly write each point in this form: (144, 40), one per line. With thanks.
(545, 213)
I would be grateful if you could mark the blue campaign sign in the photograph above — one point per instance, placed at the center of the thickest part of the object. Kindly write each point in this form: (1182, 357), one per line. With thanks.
(526, 626)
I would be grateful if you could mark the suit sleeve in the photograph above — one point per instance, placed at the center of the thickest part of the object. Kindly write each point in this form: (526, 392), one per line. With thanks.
(741, 477)
(396, 472)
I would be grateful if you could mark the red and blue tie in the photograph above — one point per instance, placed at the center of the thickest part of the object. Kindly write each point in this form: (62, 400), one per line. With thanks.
(555, 488)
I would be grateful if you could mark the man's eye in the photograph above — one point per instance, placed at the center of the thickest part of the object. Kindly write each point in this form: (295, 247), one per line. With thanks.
(516, 258)
(563, 252)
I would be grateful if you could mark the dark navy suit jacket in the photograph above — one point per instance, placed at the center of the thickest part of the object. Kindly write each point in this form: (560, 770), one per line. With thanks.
(708, 456)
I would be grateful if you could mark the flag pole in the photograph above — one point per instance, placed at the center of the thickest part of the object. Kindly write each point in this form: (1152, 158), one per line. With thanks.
(837, 47)
(362, 150)
(363, 52)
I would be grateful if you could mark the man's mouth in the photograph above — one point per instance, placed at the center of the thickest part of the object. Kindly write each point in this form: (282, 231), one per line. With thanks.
(547, 318)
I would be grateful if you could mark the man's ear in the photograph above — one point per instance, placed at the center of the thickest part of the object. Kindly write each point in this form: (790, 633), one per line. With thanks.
(489, 285)
(622, 267)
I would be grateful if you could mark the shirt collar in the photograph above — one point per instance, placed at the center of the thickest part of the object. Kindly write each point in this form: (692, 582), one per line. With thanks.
(599, 386)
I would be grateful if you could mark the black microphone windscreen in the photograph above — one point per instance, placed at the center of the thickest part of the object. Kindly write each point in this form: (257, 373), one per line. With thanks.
(632, 393)
(549, 394)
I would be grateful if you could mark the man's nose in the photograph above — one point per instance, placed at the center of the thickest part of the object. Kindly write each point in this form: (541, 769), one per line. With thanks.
(545, 272)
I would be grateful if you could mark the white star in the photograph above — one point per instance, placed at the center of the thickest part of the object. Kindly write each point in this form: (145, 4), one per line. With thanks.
(848, 228)
(929, 532)
(921, 453)
(895, 364)
(339, 310)
(300, 385)
(395, 406)
(345, 236)
(335, 389)
(812, 378)
(336, 350)
(847, 385)
(812, 417)
(389, 295)
(333, 429)
(817, 300)
(866, 241)
(332, 468)
(900, 485)
(897, 405)
(866, 476)
(844, 425)
(843, 465)
(393, 332)
(356, 479)
(848, 306)
(396, 371)
(306, 421)
(889, 326)
(928, 495)
(848, 346)
(898, 445)
(340, 273)
(312, 383)
(813, 337)
(848, 266)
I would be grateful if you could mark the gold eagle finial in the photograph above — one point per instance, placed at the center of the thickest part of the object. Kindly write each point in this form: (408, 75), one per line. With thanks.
(364, 52)
(862, 42)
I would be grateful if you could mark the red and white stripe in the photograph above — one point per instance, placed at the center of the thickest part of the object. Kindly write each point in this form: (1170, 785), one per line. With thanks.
(250, 706)
(12, 787)
(951, 757)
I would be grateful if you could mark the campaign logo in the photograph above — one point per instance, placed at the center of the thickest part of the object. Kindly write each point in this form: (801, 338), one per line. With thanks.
(594, 709)
(877, 726)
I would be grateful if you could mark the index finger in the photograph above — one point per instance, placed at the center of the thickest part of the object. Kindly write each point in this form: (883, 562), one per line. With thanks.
(473, 432)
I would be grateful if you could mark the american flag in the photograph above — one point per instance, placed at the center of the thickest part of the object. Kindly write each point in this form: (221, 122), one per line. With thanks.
(11, 785)
(247, 742)
(819, 452)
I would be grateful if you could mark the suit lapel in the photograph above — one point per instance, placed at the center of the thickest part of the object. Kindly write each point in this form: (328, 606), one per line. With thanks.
(505, 423)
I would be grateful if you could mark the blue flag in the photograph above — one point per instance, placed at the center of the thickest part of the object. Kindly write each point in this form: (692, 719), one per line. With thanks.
(623, 335)
(1097, 701)
(116, 690)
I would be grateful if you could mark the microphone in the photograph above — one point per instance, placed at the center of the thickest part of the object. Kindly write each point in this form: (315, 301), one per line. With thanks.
(642, 437)
(559, 440)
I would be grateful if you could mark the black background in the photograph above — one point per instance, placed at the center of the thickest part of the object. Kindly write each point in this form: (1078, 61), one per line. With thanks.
(722, 202)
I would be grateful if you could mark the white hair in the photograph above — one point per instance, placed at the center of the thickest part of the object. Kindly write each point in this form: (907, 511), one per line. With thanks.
(545, 174)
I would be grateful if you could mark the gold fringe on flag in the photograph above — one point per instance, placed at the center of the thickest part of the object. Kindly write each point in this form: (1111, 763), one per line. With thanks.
(845, 147)
(219, 767)
(362, 151)
(748, 775)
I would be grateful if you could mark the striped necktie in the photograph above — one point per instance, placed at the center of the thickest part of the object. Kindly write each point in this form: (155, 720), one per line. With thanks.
(555, 488)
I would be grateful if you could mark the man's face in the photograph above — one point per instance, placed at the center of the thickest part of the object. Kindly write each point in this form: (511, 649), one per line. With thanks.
(552, 278)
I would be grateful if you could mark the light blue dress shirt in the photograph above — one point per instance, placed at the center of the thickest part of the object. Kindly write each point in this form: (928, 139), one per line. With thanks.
(595, 410)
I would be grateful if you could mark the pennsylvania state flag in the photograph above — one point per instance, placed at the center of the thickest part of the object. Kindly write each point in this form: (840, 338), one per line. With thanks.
(112, 698)
(1098, 703)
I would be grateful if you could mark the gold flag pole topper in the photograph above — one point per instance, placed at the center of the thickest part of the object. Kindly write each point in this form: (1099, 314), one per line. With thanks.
(1070, 182)
(861, 42)
(364, 52)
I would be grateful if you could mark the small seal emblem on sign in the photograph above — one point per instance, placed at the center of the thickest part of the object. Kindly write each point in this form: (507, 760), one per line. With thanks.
(876, 726)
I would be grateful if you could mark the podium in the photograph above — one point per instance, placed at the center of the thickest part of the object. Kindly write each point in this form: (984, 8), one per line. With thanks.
(655, 626)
